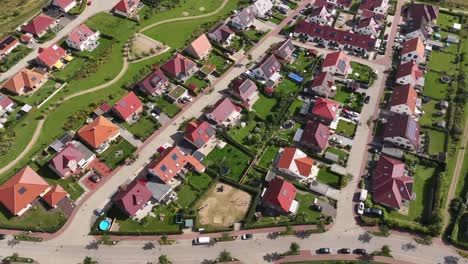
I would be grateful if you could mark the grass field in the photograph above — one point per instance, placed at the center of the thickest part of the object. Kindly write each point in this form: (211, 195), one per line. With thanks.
(144, 128)
(230, 157)
(436, 144)
(197, 184)
(35, 219)
(240, 134)
(264, 106)
(287, 86)
(268, 157)
(433, 87)
(346, 129)
(15, 12)
(328, 177)
(39, 96)
(361, 72)
(429, 108)
(445, 20)
(169, 108)
(442, 62)
(221, 63)
(111, 156)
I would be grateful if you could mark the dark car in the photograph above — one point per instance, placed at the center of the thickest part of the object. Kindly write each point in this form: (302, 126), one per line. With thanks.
(324, 251)
(367, 99)
(360, 251)
(344, 251)
(94, 178)
(373, 212)
(316, 207)
(2, 236)
(246, 236)
(157, 111)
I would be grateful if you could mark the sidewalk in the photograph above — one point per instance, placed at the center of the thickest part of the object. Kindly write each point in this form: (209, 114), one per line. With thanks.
(306, 255)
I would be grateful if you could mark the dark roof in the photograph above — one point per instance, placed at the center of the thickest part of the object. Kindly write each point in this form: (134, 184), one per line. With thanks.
(285, 50)
(402, 126)
(222, 32)
(133, 197)
(246, 16)
(243, 88)
(154, 82)
(315, 135)
(270, 65)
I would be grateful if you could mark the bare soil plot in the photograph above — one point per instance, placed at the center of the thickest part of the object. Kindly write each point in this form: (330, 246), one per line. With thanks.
(223, 208)
(142, 47)
(344, 21)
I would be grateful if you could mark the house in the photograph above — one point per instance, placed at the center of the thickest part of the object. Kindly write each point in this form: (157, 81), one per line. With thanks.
(64, 5)
(55, 195)
(172, 163)
(322, 85)
(325, 3)
(267, 68)
(27, 39)
(409, 73)
(161, 192)
(199, 133)
(367, 26)
(294, 163)
(99, 133)
(200, 48)
(71, 160)
(19, 192)
(390, 186)
(379, 18)
(279, 196)
(419, 19)
(132, 198)
(377, 6)
(179, 67)
(83, 38)
(413, 50)
(128, 108)
(402, 131)
(60, 143)
(244, 89)
(222, 35)
(6, 104)
(25, 81)
(126, 8)
(244, 19)
(261, 8)
(404, 100)
(51, 57)
(39, 25)
(285, 51)
(314, 136)
(7, 45)
(325, 110)
(342, 4)
(224, 112)
(321, 15)
(155, 83)
(337, 63)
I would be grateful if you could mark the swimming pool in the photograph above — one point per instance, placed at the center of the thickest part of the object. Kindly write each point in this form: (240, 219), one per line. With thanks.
(105, 224)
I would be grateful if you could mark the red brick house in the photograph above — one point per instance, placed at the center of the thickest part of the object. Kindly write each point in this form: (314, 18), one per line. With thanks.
(279, 196)
(198, 134)
(128, 108)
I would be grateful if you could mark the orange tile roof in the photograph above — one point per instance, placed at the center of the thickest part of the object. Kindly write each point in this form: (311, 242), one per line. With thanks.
(55, 195)
(414, 44)
(98, 132)
(25, 78)
(20, 190)
(200, 45)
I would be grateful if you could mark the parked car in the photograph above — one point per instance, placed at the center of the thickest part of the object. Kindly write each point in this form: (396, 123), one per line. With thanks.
(367, 99)
(246, 236)
(154, 115)
(360, 209)
(316, 207)
(344, 251)
(360, 251)
(202, 241)
(157, 111)
(94, 178)
(161, 149)
(373, 212)
(89, 3)
(324, 251)
(2, 236)
(188, 98)
(98, 212)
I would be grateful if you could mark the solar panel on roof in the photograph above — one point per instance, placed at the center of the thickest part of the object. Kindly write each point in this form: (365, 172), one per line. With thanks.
(22, 190)
(123, 104)
(210, 131)
(200, 131)
(155, 80)
(199, 142)
(245, 86)
(163, 167)
(342, 65)
(131, 3)
(174, 156)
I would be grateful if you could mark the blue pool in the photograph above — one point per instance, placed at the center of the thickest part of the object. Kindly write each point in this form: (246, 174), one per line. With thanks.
(105, 224)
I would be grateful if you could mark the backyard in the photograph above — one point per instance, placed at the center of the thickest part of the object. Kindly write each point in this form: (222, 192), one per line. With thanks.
(197, 184)
(433, 87)
(346, 128)
(170, 109)
(442, 62)
(429, 117)
(241, 134)
(437, 141)
(361, 73)
(70, 184)
(268, 157)
(445, 21)
(254, 35)
(35, 219)
(350, 100)
(117, 153)
(342, 155)
(264, 106)
(143, 128)
(40, 95)
(276, 18)
(302, 62)
(199, 82)
(288, 86)
(222, 64)
(328, 177)
(229, 157)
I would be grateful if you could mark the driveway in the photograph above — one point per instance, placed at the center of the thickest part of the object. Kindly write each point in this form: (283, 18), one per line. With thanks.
(129, 137)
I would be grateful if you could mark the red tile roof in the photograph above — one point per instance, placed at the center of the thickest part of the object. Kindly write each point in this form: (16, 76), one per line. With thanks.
(402, 126)
(128, 105)
(66, 161)
(25, 78)
(177, 65)
(22, 189)
(243, 88)
(199, 133)
(337, 59)
(169, 164)
(51, 55)
(5, 101)
(390, 186)
(199, 46)
(7, 43)
(326, 108)
(223, 109)
(409, 68)
(126, 5)
(63, 3)
(315, 135)
(404, 94)
(38, 24)
(370, 4)
(295, 160)
(98, 132)
(80, 34)
(133, 197)
(55, 195)
(323, 79)
(320, 3)
(414, 44)
(279, 194)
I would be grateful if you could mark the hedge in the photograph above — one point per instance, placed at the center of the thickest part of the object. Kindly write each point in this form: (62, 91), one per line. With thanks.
(233, 142)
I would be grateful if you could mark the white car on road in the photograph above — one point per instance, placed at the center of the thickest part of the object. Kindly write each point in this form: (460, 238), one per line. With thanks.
(360, 209)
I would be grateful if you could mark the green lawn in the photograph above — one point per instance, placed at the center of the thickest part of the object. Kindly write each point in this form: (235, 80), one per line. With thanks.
(222, 64)
(301, 63)
(197, 184)
(16, 55)
(264, 106)
(230, 157)
(240, 134)
(144, 128)
(170, 109)
(433, 87)
(346, 129)
(295, 107)
(277, 18)
(437, 140)
(253, 35)
(201, 83)
(343, 155)
(429, 108)
(361, 72)
(35, 219)
(237, 43)
(152, 225)
(445, 20)
(39, 96)
(111, 157)
(328, 177)
(422, 188)
(288, 134)
(186, 196)
(350, 100)
(269, 156)
(200, 182)
(69, 184)
(287, 86)
(442, 62)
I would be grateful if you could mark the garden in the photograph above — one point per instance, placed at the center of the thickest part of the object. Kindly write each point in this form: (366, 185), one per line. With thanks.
(199, 82)
(14, 57)
(301, 62)
(268, 157)
(40, 95)
(349, 99)
(342, 154)
(436, 141)
(277, 18)
(362, 73)
(443, 62)
(117, 153)
(70, 184)
(254, 35)
(433, 87)
(264, 106)
(36, 219)
(250, 134)
(328, 177)
(222, 64)
(228, 157)
(432, 113)
(143, 128)
(345, 128)
(168, 108)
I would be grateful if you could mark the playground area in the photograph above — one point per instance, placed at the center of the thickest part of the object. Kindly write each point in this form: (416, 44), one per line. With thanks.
(222, 206)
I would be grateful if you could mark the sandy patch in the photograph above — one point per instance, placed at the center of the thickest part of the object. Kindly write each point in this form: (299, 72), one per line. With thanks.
(201, 8)
(185, 13)
(143, 46)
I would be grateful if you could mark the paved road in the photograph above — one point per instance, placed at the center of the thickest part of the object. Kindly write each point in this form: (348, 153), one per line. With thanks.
(97, 7)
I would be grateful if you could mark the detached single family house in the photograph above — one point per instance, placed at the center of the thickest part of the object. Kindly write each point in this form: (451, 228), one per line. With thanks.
(64, 5)
(83, 38)
(128, 108)
(285, 51)
(402, 131)
(200, 48)
(99, 133)
(39, 25)
(55, 196)
(126, 8)
(244, 19)
(19, 192)
(221, 34)
(294, 163)
(132, 198)
(71, 160)
(155, 83)
(322, 85)
(51, 57)
(314, 136)
(267, 68)
(25, 81)
(325, 110)
(7, 45)
(279, 196)
(199, 133)
(224, 112)
(337, 63)
(179, 67)
(6, 104)
(262, 8)
(244, 89)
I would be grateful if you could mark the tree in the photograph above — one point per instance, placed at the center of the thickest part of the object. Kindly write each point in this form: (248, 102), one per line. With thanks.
(225, 256)
(164, 260)
(386, 251)
(294, 248)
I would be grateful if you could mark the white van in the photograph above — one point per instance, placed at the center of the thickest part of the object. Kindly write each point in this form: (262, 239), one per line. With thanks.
(202, 241)
(363, 195)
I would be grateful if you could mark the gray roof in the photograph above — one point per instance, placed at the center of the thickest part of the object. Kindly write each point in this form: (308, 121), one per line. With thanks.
(159, 190)
(87, 153)
(246, 16)
(61, 142)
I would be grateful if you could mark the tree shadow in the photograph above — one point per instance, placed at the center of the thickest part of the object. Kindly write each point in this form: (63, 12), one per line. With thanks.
(92, 245)
(408, 246)
(273, 235)
(451, 260)
(149, 246)
(365, 238)
(271, 257)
